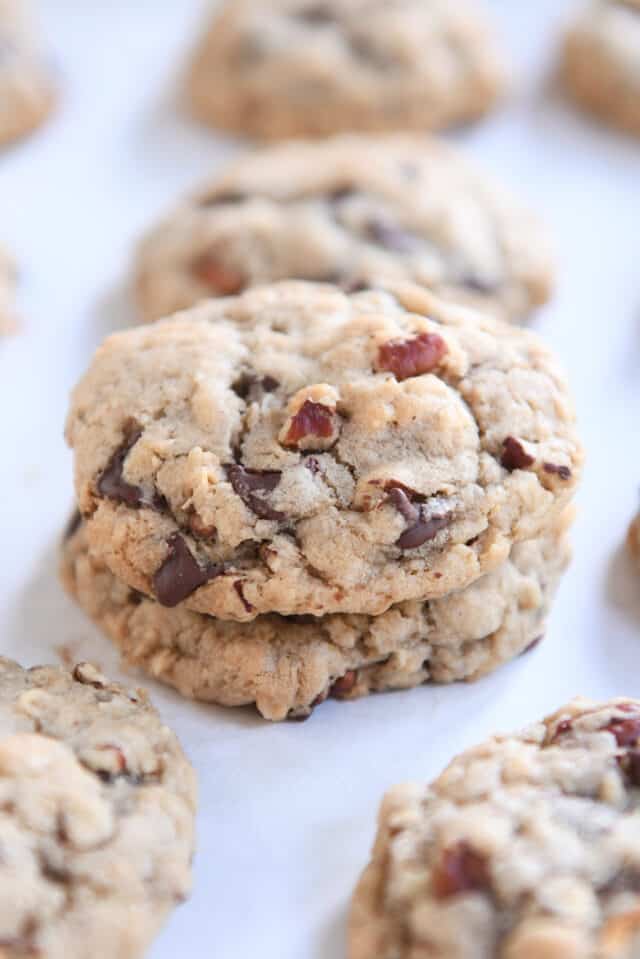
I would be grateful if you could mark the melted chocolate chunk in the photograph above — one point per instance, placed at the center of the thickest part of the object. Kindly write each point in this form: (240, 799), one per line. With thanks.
(563, 472)
(390, 236)
(312, 419)
(251, 485)
(180, 574)
(412, 357)
(421, 527)
(421, 532)
(461, 869)
(514, 456)
(340, 193)
(240, 591)
(111, 482)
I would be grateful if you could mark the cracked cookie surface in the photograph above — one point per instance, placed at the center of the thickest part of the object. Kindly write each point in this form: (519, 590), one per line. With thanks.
(299, 67)
(26, 82)
(289, 666)
(97, 805)
(299, 450)
(601, 62)
(346, 211)
(526, 846)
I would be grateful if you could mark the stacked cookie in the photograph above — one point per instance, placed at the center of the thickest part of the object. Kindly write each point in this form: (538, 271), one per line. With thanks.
(299, 492)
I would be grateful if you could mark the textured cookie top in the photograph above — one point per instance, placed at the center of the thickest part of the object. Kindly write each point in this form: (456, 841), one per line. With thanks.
(345, 211)
(290, 665)
(26, 84)
(526, 846)
(299, 450)
(278, 69)
(97, 805)
(7, 286)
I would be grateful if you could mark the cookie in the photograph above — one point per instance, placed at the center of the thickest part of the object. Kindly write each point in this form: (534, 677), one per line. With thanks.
(7, 288)
(97, 805)
(601, 62)
(288, 666)
(349, 210)
(299, 450)
(26, 83)
(526, 846)
(633, 539)
(307, 68)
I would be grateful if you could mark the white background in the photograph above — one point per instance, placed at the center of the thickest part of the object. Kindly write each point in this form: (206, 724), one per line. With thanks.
(287, 811)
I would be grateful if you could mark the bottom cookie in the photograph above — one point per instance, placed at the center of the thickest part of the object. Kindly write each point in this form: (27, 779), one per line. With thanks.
(288, 665)
(97, 808)
(526, 847)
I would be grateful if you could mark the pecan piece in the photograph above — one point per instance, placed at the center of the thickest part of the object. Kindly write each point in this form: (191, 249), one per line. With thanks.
(219, 279)
(412, 357)
(460, 869)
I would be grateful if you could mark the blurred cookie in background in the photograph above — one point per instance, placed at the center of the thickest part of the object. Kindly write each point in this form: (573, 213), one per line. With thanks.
(350, 210)
(315, 67)
(601, 62)
(633, 539)
(27, 88)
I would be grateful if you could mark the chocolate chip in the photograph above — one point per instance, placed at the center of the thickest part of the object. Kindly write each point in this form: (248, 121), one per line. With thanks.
(72, 526)
(342, 686)
(424, 530)
(251, 388)
(316, 15)
(412, 357)
(251, 485)
(311, 420)
(390, 236)
(312, 465)
(239, 590)
(514, 456)
(180, 574)
(220, 279)
(563, 472)
(111, 482)
(460, 869)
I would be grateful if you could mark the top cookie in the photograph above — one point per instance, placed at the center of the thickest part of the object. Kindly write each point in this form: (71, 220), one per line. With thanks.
(286, 68)
(349, 210)
(97, 803)
(526, 847)
(26, 84)
(299, 450)
(601, 62)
